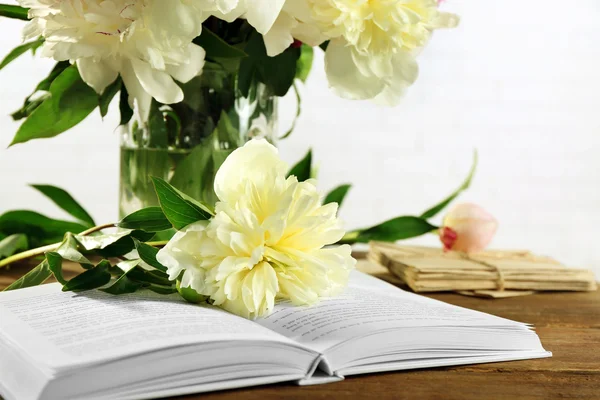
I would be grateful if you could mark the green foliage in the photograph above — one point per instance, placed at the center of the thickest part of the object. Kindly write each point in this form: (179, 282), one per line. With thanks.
(70, 249)
(71, 100)
(180, 209)
(93, 278)
(124, 244)
(305, 62)
(337, 195)
(13, 244)
(399, 228)
(20, 50)
(15, 12)
(36, 276)
(302, 170)
(277, 73)
(432, 212)
(109, 94)
(123, 285)
(148, 254)
(216, 47)
(124, 107)
(34, 100)
(39, 229)
(65, 201)
(55, 264)
(151, 219)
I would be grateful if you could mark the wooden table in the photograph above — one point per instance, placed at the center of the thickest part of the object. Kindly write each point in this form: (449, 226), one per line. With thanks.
(567, 323)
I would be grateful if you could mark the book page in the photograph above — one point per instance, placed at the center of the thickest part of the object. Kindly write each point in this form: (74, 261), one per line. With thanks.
(368, 305)
(63, 329)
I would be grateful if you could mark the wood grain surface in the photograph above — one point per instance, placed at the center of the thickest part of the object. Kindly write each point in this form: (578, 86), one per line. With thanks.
(567, 323)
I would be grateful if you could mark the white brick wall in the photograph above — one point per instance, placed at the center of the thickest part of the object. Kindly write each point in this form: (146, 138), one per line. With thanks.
(518, 81)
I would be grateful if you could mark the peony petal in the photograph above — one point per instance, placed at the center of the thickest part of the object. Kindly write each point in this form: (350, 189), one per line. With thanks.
(186, 72)
(405, 73)
(345, 78)
(138, 97)
(98, 75)
(279, 37)
(252, 162)
(157, 83)
(180, 253)
(262, 14)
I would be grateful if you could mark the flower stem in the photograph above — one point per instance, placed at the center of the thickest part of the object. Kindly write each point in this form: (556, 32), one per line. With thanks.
(158, 244)
(45, 249)
(350, 237)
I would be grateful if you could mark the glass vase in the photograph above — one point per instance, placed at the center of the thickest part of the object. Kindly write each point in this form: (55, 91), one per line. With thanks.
(186, 143)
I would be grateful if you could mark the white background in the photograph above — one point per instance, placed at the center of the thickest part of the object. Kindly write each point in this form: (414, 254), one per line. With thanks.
(518, 80)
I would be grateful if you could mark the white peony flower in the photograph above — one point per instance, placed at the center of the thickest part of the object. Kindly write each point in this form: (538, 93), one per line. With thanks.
(373, 43)
(266, 239)
(147, 42)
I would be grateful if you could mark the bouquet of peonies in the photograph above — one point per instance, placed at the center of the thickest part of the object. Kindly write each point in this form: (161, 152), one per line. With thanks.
(145, 50)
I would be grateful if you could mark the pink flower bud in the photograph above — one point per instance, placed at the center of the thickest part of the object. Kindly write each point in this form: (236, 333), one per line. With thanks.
(467, 228)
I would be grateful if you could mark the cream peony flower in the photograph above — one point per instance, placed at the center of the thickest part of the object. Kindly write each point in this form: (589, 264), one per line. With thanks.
(147, 42)
(373, 43)
(265, 241)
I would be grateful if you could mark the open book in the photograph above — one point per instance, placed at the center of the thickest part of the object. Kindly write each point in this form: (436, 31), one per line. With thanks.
(98, 346)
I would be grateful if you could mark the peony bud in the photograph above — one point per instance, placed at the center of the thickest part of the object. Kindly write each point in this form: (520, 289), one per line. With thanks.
(467, 228)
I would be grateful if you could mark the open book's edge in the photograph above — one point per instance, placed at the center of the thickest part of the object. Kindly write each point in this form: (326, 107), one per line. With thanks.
(447, 362)
(210, 387)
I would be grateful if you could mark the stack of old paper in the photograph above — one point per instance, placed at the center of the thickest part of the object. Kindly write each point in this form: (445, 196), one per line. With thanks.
(487, 274)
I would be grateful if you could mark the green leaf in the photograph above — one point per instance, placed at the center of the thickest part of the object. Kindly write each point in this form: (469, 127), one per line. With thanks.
(106, 98)
(149, 277)
(160, 289)
(102, 241)
(20, 50)
(465, 185)
(38, 228)
(179, 208)
(69, 250)
(12, 244)
(216, 47)
(337, 195)
(58, 69)
(164, 236)
(124, 107)
(71, 100)
(123, 285)
(277, 73)
(157, 127)
(124, 245)
(66, 202)
(36, 276)
(305, 62)
(39, 94)
(303, 169)
(15, 12)
(91, 279)
(55, 265)
(148, 254)
(390, 231)
(151, 219)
